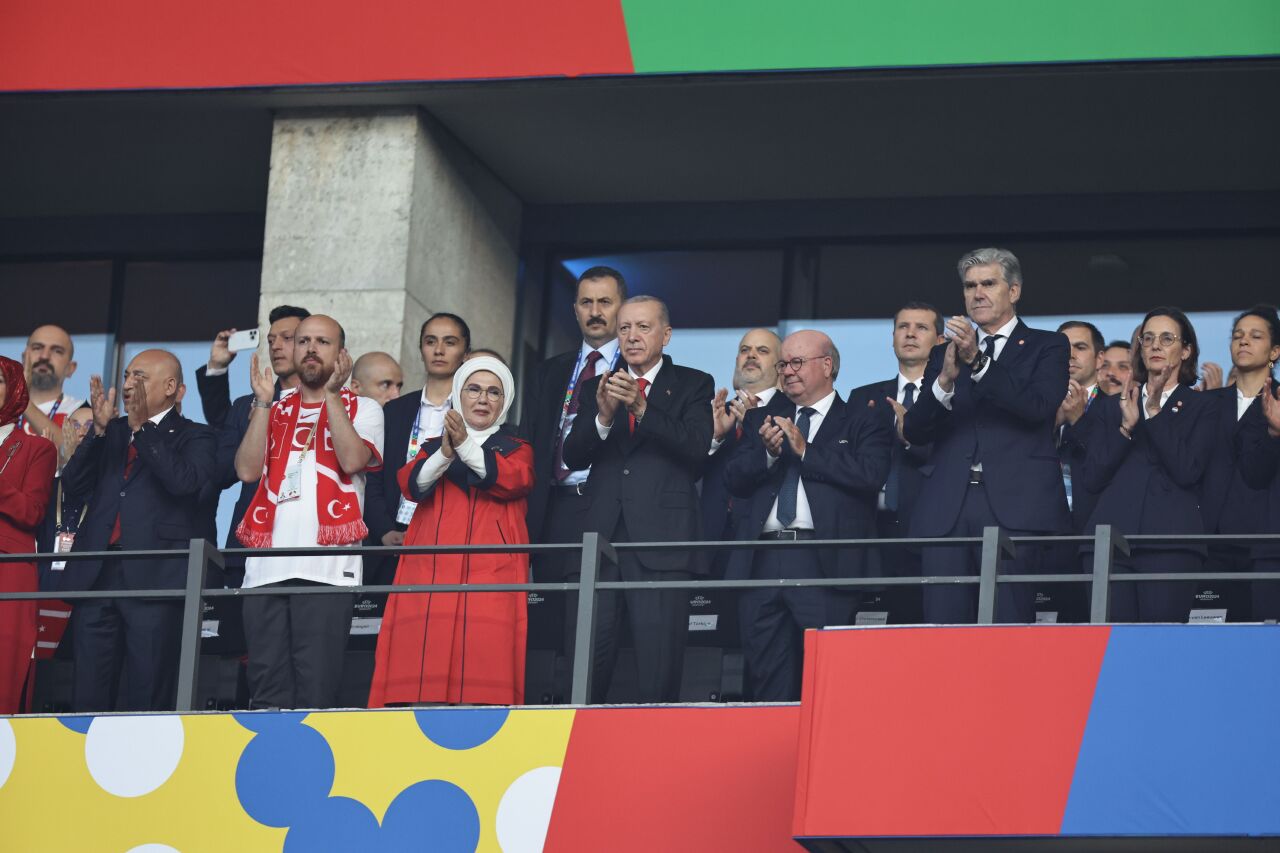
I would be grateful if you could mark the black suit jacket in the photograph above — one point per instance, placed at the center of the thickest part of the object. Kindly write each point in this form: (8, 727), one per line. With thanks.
(540, 426)
(1258, 456)
(215, 396)
(1071, 451)
(1006, 421)
(158, 504)
(1228, 503)
(648, 479)
(382, 491)
(1150, 483)
(844, 466)
(909, 459)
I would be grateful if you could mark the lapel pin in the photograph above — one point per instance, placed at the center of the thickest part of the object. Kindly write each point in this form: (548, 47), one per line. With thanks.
(871, 404)
(668, 392)
(1021, 341)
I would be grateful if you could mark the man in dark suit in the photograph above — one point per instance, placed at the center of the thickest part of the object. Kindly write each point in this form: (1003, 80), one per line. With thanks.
(917, 329)
(230, 419)
(988, 408)
(409, 420)
(755, 382)
(644, 431)
(808, 467)
(142, 475)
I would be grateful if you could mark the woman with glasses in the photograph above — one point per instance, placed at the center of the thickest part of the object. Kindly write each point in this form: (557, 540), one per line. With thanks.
(470, 486)
(1230, 505)
(1146, 453)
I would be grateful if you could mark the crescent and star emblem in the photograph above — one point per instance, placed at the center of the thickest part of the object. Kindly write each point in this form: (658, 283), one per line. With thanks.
(333, 514)
(257, 510)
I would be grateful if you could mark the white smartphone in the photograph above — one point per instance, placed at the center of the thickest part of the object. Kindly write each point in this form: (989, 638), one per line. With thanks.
(248, 339)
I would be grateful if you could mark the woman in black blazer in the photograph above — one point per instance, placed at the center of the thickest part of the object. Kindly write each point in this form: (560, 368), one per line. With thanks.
(1146, 453)
(1259, 446)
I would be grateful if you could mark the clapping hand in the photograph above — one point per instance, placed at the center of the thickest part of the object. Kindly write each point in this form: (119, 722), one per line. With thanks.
(741, 404)
(1073, 405)
(263, 381)
(900, 417)
(1156, 383)
(103, 404)
(606, 403)
(455, 433)
(722, 417)
(137, 407)
(1271, 410)
(1210, 376)
(341, 372)
(1130, 412)
(772, 436)
(794, 437)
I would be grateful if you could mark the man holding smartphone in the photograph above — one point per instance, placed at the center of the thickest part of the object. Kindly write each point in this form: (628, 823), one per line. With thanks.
(990, 400)
(231, 420)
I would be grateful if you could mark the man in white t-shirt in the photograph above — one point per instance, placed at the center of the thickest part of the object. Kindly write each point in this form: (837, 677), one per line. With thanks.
(310, 452)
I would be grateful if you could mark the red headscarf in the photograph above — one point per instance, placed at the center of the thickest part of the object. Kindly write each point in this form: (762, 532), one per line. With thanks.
(16, 396)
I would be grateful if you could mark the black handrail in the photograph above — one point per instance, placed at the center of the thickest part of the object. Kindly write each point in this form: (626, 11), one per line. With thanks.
(995, 544)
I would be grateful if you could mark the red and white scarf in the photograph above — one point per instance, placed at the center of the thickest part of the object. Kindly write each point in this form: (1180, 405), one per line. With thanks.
(337, 503)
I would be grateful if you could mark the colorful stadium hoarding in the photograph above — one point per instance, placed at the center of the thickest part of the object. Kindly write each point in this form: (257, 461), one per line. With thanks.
(159, 44)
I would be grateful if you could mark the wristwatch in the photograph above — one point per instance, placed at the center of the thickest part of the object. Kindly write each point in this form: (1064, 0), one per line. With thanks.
(255, 404)
(978, 363)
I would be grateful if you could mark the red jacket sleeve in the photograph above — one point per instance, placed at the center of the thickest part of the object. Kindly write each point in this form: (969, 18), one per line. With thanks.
(25, 502)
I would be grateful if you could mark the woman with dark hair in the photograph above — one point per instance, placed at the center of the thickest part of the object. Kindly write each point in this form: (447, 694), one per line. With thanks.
(1230, 505)
(27, 466)
(1146, 452)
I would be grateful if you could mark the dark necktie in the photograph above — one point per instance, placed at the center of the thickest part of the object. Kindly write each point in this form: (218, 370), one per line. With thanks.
(789, 493)
(989, 346)
(892, 485)
(588, 372)
(128, 469)
(644, 387)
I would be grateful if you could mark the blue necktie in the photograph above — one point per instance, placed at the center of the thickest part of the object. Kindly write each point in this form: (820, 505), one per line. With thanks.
(892, 485)
(790, 490)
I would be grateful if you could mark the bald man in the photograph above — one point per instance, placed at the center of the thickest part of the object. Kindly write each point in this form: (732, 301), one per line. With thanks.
(378, 376)
(755, 382)
(142, 474)
(807, 467)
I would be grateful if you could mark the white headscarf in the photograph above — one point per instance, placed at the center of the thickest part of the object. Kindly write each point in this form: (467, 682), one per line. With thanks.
(497, 368)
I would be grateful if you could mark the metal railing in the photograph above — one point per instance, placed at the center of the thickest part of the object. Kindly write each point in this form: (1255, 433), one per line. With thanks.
(594, 549)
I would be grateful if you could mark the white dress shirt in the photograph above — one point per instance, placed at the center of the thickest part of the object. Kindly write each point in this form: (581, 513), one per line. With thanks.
(1005, 331)
(1164, 398)
(621, 411)
(1242, 403)
(608, 356)
(804, 516)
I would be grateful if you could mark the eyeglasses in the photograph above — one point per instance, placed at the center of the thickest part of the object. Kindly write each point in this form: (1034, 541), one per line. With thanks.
(1166, 339)
(473, 392)
(796, 363)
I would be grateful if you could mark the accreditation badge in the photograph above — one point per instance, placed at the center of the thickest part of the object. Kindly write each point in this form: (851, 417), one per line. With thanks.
(61, 545)
(291, 488)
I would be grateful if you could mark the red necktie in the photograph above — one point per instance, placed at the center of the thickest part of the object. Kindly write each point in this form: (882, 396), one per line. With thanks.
(128, 469)
(588, 372)
(644, 387)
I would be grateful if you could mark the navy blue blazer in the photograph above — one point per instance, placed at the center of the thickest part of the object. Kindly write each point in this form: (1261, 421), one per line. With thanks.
(1228, 503)
(543, 400)
(159, 505)
(909, 459)
(1150, 483)
(1071, 451)
(381, 490)
(1258, 456)
(648, 479)
(1006, 421)
(844, 466)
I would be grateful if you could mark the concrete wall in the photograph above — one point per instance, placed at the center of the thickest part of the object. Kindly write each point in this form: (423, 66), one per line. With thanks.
(381, 218)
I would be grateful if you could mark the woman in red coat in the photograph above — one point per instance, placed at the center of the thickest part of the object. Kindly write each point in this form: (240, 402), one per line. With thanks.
(27, 466)
(470, 486)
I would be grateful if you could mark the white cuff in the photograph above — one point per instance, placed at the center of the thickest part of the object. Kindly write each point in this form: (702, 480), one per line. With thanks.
(943, 397)
(977, 377)
(472, 455)
(215, 371)
(716, 444)
(770, 460)
(437, 463)
(602, 429)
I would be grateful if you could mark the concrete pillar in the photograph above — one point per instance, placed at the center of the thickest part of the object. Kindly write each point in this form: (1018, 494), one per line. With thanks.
(381, 218)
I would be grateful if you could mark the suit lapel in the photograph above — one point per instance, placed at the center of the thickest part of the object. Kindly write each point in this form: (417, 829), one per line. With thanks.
(1014, 347)
(659, 398)
(167, 425)
(830, 422)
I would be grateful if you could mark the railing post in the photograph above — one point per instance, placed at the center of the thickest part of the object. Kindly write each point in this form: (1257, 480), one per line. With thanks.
(192, 601)
(1106, 541)
(594, 548)
(995, 545)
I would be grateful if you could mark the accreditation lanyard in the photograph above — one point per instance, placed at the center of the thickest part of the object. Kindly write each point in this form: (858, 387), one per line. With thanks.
(53, 410)
(291, 488)
(573, 383)
(406, 507)
(64, 539)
